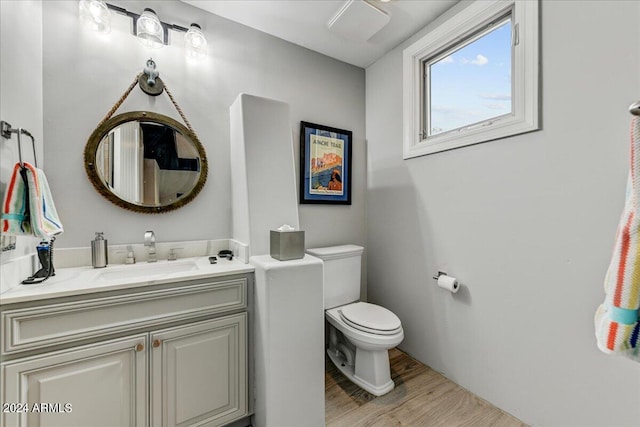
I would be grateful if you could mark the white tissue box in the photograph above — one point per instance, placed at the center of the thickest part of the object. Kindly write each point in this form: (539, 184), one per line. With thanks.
(286, 245)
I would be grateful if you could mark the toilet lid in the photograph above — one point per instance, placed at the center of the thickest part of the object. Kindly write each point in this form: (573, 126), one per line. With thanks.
(370, 318)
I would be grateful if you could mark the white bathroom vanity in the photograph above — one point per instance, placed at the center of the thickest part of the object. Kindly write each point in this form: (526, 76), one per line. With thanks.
(90, 349)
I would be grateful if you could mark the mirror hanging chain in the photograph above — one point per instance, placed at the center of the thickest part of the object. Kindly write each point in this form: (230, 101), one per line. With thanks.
(148, 88)
(120, 101)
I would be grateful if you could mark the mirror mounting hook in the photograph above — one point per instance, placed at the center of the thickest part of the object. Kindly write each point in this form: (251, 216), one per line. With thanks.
(150, 81)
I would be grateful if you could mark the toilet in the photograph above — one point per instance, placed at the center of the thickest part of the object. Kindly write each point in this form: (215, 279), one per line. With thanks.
(360, 334)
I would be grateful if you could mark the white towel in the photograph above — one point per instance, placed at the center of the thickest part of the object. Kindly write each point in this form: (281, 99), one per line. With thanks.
(42, 211)
(15, 206)
(617, 320)
(28, 207)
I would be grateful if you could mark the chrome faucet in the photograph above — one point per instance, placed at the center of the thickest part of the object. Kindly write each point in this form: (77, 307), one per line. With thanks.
(150, 241)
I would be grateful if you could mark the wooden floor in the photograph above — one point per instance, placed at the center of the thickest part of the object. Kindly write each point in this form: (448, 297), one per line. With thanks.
(422, 397)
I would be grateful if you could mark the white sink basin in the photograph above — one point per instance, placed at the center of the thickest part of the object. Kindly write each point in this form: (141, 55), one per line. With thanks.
(146, 270)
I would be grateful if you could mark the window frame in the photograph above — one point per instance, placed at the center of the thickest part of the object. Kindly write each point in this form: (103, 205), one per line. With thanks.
(454, 33)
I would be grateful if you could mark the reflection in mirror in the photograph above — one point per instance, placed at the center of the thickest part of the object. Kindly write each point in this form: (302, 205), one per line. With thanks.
(146, 162)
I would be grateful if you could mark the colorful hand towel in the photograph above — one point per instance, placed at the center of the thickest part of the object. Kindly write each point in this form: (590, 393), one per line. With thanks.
(15, 206)
(616, 321)
(43, 215)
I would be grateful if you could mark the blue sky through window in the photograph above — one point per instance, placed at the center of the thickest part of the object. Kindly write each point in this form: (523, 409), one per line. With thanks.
(473, 83)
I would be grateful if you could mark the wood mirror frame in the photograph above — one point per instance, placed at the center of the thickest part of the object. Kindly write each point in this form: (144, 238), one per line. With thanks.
(93, 144)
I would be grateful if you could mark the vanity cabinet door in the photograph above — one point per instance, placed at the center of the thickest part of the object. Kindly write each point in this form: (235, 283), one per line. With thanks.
(199, 373)
(103, 384)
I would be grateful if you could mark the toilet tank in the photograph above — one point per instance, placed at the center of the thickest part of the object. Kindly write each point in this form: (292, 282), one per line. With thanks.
(341, 273)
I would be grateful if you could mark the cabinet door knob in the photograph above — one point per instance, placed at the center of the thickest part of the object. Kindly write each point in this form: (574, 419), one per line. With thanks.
(140, 347)
(156, 343)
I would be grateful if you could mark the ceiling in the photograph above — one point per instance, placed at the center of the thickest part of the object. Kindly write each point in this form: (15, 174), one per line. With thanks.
(305, 23)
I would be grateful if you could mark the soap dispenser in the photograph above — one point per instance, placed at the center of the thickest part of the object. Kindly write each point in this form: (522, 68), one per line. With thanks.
(99, 257)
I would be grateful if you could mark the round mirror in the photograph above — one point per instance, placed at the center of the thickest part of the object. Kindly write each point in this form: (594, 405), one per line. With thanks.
(145, 162)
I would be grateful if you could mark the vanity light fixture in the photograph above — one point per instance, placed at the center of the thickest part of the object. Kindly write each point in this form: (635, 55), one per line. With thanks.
(195, 42)
(151, 31)
(95, 15)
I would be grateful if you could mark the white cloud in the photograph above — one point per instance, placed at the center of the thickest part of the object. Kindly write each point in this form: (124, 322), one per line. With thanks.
(498, 106)
(496, 96)
(480, 60)
(447, 60)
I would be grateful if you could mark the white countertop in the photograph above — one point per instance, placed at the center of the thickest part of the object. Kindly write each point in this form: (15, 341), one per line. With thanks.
(84, 280)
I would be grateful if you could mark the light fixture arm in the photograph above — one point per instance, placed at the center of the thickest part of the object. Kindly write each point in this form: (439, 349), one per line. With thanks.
(135, 16)
(124, 11)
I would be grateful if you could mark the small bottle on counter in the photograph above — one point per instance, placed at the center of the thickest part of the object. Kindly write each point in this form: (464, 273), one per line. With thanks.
(99, 256)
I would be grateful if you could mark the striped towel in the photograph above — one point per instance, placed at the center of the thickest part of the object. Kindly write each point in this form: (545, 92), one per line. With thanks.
(15, 206)
(617, 319)
(43, 215)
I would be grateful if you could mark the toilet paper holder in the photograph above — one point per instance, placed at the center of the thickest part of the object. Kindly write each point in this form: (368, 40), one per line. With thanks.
(446, 282)
(440, 273)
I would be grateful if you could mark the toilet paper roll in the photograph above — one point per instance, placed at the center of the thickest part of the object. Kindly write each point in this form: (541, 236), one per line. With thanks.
(449, 283)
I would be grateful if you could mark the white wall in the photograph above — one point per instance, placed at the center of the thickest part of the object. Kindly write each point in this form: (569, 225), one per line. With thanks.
(526, 223)
(261, 147)
(84, 75)
(20, 93)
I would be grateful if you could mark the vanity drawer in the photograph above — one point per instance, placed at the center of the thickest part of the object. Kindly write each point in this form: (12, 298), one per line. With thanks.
(54, 324)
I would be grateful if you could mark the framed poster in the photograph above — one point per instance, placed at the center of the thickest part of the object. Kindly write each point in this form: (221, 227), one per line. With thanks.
(325, 164)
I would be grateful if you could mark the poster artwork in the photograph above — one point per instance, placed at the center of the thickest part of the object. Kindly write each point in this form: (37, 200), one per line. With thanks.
(326, 165)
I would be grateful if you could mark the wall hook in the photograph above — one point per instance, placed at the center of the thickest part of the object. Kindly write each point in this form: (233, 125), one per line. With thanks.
(150, 81)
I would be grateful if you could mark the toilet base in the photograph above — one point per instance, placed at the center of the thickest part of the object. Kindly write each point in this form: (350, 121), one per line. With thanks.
(349, 371)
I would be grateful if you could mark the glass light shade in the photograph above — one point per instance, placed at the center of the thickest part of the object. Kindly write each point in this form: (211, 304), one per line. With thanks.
(149, 29)
(95, 15)
(195, 42)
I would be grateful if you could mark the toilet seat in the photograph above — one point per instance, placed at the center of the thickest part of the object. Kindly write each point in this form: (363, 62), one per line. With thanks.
(370, 318)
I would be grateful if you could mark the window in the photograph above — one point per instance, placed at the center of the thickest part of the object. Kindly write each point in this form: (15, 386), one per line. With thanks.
(473, 78)
(464, 87)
